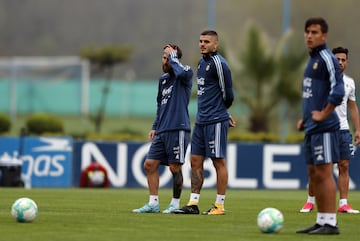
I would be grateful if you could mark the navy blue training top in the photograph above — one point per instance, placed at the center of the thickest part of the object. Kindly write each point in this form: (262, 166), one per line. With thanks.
(173, 98)
(215, 93)
(322, 84)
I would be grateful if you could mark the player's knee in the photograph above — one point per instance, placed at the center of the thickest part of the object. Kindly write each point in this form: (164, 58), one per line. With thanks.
(149, 165)
(175, 168)
(343, 166)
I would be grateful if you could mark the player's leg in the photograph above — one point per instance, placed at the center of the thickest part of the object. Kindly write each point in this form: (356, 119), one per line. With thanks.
(176, 172)
(346, 153)
(197, 171)
(217, 139)
(343, 184)
(322, 150)
(152, 173)
(325, 188)
(197, 179)
(221, 175)
(176, 145)
(343, 179)
(151, 165)
(310, 202)
(221, 184)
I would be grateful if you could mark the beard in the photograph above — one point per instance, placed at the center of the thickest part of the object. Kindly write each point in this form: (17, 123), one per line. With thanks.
(166, 68)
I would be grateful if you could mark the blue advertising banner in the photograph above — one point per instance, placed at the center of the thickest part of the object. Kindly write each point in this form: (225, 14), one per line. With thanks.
(251, 166)
(46, 161)
(123, 161)
(57, 162)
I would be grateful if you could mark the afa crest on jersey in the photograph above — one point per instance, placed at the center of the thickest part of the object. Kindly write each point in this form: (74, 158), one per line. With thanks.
(208, 67)
(315, 65)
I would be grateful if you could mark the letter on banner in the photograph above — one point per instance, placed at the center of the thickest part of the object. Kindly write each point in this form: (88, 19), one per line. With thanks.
(232, 169)
(270, 166)
(118, 178)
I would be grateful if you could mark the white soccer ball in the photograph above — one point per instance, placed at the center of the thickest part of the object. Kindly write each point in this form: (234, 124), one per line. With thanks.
(24, 210)
(270, 220)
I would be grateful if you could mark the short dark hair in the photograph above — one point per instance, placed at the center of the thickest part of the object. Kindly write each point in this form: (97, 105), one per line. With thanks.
(209, 32)
(318, 21)
(340, 50)
(177, 48)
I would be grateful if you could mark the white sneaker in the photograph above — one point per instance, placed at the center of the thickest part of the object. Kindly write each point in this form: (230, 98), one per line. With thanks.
(170, 209)
(147, 208)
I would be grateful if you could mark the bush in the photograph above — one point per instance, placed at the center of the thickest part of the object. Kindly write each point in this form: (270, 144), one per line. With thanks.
(125, 134)
(265, 137)
(5, 123)
(41, 123)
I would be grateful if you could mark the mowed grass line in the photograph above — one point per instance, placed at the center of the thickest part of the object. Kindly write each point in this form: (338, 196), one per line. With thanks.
(105, 214)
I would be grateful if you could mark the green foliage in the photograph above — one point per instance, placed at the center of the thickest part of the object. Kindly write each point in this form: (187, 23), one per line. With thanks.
(264, 137)
(5, 123)
(114, 137)
(265, 75)
(297, 137)
(124, 134)
(44, 124)
(253, 137)
(107, 56)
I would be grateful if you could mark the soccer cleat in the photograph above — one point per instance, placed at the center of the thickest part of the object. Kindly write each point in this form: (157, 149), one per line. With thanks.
(309, 229)
(308, 207)
(215, 210)
(147, 208)
(346, 208)
(190, 209)
(170, 209)
(326, 229)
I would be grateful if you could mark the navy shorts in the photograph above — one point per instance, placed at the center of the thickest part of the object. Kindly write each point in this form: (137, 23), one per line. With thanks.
(322, 148)
(210, 140)
(169, 147)
(347, 149)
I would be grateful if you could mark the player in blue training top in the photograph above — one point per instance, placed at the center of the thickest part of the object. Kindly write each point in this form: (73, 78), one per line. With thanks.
(170, 134)
(347, 148)
(323, 90)
(209, 138)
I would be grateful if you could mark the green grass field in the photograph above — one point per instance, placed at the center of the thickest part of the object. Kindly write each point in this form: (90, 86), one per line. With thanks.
(105, 214)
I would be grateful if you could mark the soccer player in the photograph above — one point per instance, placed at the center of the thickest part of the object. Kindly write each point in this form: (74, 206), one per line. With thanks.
(323, 90)
(170, 134)
(209, 138)
(347, 149)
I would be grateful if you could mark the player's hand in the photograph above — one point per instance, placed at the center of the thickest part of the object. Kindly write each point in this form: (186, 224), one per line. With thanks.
(357, 138)
(151, 135)
(317, 115)
(232, 122)
(168, 49)
(300, 125)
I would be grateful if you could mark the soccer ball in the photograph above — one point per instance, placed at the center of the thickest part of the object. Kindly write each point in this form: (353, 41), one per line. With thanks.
(270, 220)
(24, 210)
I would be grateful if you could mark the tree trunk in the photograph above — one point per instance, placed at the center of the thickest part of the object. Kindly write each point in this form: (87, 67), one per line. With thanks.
(259, 123)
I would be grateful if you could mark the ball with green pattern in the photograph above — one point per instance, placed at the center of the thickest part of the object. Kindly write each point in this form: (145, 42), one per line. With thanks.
(24, 210)
(270, 220)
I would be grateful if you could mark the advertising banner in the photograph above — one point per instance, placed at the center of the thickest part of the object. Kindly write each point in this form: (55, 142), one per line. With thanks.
(45, 161)
(57, 162)
(251, 166)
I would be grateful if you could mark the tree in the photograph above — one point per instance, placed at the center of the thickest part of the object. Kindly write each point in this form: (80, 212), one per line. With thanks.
(265, 75)
(104, 60)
